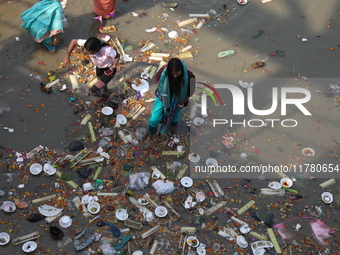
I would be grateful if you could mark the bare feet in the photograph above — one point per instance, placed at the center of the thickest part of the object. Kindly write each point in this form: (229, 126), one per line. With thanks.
(101, 101)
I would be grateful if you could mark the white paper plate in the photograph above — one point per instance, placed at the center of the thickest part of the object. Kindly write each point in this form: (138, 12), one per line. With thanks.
(107, 110)
(275, 185)
(88, 199)
(121, 214)
(200, 196)
(142, 201)
(144, 86)
(190, 243)
(49, 211)
(161, 211)
(50, 170)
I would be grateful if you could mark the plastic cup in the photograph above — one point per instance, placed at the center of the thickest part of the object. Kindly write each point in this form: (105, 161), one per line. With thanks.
(107, 110)
(194, 157)
(4, 238)
(173, 34)
(211, 162)
(29, 246)
(93, 207)
(187, 182)
(161, 211)
(36, 169)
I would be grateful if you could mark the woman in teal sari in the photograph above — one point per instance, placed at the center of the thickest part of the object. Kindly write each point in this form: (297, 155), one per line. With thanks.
(44, 21)
(176, 85)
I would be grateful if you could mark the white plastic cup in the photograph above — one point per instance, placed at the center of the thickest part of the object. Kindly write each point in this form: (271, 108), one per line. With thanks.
(242, 242)
(173, 34)
(194, 157)
(211, 162)
(29, 246)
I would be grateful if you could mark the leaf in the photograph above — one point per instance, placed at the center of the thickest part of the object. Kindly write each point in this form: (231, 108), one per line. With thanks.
(66, 177)
(279, 149)
(251, 162)
(52, 78)
(170, 174)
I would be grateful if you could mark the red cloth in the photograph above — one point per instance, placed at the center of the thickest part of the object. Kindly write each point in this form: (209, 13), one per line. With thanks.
(104, 7)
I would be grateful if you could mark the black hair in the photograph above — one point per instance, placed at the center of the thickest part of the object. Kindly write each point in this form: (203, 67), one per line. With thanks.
(94, 44)
(175, 64)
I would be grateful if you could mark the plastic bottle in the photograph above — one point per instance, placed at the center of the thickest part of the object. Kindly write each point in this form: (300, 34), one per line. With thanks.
(70, 205)
(226, 53)
(200, 24)
(38, 78)
(229, 211)
(98, 185)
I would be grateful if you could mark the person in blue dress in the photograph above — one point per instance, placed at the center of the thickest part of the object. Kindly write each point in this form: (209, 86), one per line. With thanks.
(176, 85)
(44, 21)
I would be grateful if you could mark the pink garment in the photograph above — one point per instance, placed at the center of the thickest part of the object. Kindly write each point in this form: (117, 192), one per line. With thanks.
(321, 230)
(102, 59)
(104, 7)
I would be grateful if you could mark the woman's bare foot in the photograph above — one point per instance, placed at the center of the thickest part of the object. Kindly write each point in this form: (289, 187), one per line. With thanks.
(148, 138)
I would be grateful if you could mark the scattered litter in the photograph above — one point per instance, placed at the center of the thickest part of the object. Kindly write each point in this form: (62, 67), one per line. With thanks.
(151, 30)
(10, 130)
(226, 53)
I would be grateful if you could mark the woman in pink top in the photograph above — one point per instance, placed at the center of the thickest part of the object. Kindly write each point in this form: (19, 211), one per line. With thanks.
(106, 60)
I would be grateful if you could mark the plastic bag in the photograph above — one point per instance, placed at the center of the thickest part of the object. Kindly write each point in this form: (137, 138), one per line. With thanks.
(10, 177)
(139, 181)
(84, 172)
(107, 249)
(75, 146)
(105, 131)
(148, 216)
(104, 142)
(4, 109)
(163, 187)
(320, 230)
(177, 165)
(141, 133)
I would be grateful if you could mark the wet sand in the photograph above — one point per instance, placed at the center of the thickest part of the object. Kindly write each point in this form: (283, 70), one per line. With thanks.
(49, 119)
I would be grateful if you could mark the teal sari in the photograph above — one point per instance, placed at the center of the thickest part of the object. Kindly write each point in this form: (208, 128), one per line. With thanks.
(44, 20)
(170, 101)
